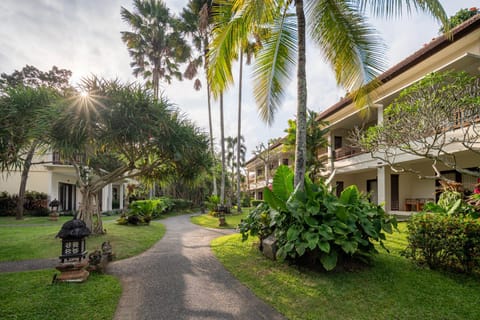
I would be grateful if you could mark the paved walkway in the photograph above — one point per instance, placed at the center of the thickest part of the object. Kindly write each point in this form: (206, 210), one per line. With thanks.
(28, 265)
(179, 278)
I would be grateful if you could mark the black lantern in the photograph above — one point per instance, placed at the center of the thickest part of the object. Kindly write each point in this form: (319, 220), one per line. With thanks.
(73, 235)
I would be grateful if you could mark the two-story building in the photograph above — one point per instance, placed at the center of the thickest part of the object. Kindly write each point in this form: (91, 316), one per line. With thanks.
(401, 191)
(261, 168)
(52, 175)
(397, 191)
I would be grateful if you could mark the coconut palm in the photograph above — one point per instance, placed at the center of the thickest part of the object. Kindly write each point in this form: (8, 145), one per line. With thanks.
(338, 27)
(156, 44)
(196, 20)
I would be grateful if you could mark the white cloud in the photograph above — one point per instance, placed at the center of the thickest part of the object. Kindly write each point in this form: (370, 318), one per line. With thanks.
(84, 36)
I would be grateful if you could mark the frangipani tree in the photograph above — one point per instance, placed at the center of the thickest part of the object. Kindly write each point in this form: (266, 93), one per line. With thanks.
(122, 131)
(338, 27)
(433, 119)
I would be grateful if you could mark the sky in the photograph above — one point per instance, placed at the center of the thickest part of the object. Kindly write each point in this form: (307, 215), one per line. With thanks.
(84, 37)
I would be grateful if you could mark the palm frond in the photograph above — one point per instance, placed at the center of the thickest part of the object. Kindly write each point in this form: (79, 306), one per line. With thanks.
(273, 65)
(348, 43)
(395, 8)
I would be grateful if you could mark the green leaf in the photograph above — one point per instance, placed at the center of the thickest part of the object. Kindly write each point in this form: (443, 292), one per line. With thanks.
(273, 201)
(324, 246)
(293, 233)
(329, 261)
(312, 239)
(349, 246)
(282, 185)
(350, 195)
(300, 248)
(326, 232)
(311, 221)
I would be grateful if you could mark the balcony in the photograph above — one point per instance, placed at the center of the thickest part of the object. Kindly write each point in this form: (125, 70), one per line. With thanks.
(59, 160)
(346, 152)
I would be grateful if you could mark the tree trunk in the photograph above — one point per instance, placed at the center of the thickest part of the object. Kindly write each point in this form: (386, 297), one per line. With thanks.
(89, 211)
(23, 182)
(301, 138)
(222, 143)
(209, 102)
(239, 131)
(212, 149)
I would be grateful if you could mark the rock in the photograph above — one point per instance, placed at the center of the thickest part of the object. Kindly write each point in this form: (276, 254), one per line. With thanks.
(269, 246)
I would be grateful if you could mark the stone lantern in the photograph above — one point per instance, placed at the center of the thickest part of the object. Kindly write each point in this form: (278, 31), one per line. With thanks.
(73, 259)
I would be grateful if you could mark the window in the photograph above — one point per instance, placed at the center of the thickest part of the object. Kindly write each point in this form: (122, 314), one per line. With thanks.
(285, 161)
(339, 186)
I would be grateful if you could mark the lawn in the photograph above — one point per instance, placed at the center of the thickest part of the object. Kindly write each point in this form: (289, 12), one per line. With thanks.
(29, 295)
(206, 220)
(38, 241)
(393, 288)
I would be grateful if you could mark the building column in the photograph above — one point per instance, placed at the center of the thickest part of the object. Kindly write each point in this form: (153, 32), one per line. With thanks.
(379, 113)
(330, 151)
(107, 198)
(381, 186)
(382, 171)
(121, 199)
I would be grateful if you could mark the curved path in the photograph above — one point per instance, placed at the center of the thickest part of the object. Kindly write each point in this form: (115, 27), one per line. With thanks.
(179, 278)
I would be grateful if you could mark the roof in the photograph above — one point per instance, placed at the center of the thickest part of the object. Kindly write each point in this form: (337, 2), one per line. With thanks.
(271, 147)
(425, 52)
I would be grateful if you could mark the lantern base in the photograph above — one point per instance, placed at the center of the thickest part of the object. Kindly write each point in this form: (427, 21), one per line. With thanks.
(72, 271)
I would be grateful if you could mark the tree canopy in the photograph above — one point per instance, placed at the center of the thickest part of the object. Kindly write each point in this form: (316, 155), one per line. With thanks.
(340, 29)
(122, 131)
(156, 44)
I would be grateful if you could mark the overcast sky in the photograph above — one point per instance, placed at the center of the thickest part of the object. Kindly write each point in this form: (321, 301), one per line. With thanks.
(84, 37)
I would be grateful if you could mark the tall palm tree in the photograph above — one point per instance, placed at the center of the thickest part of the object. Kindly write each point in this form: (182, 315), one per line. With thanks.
(156, 44)
(196, 18)
(338, 27)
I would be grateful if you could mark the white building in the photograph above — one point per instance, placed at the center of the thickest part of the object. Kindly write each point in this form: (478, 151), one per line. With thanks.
(58, 180)
(401, 191)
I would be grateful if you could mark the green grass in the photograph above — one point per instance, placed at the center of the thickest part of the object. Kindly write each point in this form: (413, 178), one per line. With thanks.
(36, 242)
(30, 295)
(393, 288)
(206, 220)
(28, 220)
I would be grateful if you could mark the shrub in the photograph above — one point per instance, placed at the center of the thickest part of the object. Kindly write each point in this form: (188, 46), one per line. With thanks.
(255, 203)
(182, 204)
(246, 200)
(444, 241)
(314, 225)
(8, 204)
(212, 202)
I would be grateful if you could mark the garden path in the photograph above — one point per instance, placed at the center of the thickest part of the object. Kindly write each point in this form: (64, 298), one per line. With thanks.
(179, 278)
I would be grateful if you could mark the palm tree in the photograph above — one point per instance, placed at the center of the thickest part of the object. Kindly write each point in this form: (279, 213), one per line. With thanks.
(156, 44)
(236, 152)
(338, 27)
(196, 18)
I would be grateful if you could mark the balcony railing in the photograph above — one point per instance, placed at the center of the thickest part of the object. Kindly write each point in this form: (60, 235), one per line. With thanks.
(58, 159)
(346, 152)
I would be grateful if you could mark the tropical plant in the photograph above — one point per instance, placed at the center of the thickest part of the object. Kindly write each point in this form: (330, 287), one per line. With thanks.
(156, 45)
(339, 28)
(313, 225)
(124, 132)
